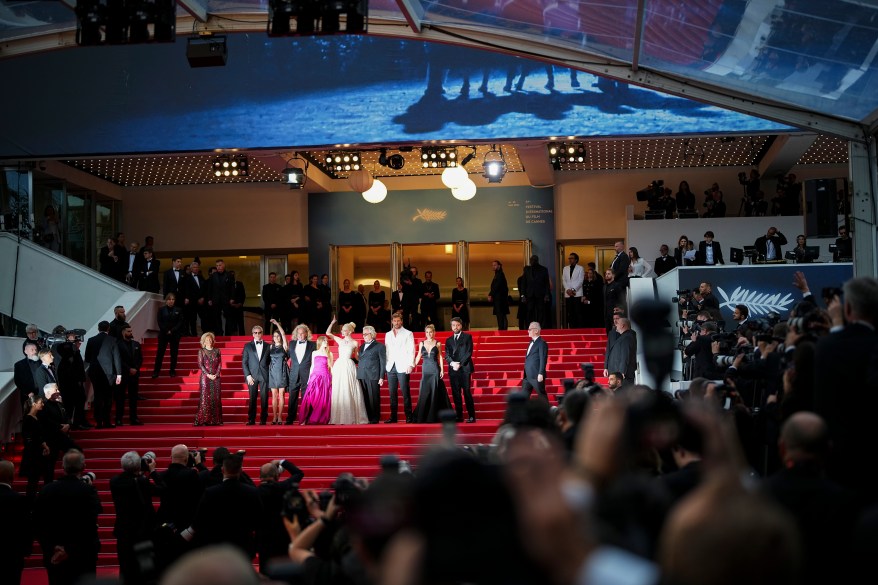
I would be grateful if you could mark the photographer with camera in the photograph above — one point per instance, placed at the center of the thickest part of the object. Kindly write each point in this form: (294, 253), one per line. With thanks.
(180, 492)
(132, 492)
(72, 377)
(272, 539)
(700, 350)
(214, 475)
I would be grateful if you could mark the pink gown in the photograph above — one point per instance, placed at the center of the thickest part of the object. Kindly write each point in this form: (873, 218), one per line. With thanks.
(315, 407)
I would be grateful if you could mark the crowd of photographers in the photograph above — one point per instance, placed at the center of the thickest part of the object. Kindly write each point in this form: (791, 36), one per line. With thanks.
(767, 476)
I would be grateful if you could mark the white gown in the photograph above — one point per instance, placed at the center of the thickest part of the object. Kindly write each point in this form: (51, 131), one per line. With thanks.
(347, 406)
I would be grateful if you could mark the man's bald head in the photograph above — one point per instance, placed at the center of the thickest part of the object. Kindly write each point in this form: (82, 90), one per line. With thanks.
(804, 436)
(7, 472)
(180, 454)
(268, 472)
(212, 565)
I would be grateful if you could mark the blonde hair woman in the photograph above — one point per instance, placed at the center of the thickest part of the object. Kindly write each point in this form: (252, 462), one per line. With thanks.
(432, 396)
(348, 404)
(210, 407)
(317, 399)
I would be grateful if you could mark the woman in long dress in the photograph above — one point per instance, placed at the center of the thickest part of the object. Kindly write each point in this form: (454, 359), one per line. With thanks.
(376, 305)
(348, 405)
(278, 372)
(317, 399)
(432, 396)
(460, 303)
(210, 407)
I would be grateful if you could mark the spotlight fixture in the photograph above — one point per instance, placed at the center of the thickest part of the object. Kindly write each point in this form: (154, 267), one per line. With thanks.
(296, 176)
(343, 161)
(566, 153)
(125, 21)
(313, 17)
(438, 157)
(230, 166)
(394, 161)
(494, 165)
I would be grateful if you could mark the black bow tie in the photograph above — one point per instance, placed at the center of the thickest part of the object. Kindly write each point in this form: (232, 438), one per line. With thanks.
(258, 343)
(299, 342)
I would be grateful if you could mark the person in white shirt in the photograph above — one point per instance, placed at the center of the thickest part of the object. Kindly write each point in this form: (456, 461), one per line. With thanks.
(571, 278)
(400, 346)
(639, 268)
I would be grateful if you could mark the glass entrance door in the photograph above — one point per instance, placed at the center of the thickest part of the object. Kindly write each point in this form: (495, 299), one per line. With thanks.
(513, 256)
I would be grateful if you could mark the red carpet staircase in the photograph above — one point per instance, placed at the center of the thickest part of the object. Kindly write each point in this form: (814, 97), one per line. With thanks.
(321, 451)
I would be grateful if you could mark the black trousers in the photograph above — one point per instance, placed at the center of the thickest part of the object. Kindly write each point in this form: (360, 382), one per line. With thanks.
(164, 340)
(372, 396)
(293, 400)
(574, 312)
(103, 398)
(399, 381)
(530, 384)
(536, 310)
(260, 390)
(501, 323)
(460, 382)
(129, 388)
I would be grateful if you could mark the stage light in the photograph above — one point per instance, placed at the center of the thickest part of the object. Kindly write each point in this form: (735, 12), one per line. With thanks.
(296, 176)
(227, 165)
(494, 165)
(344, 161)
(376, 193)
(465, 192)
(438, 157)
(394, 161)
(312, 17)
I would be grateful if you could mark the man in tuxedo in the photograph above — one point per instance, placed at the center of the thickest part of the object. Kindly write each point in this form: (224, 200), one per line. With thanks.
(400, 346)
(273, 540)
(236, 304)
(300, 369)
(66, 519)
(429, 298)
(769, 246)
(271, 298)
(71, 379)
(370, 372)
(173, 277)
(104, 371)
(16, 539)
(710, 253)
(620, 264)
(45, 372)
(571, 280)
(535, 361)
(459, 357)
(131, 356)
(664, 263)
(135, 515)
(498, 295)
(194, 294)
(255, 361)
(148, 279)
(24, 371)
(131, 264)
(622, 351)
(229, 512)
(220, 291)
(170, 323)
(842, 396)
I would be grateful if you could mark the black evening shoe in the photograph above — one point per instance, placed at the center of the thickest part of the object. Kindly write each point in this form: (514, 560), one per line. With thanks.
(136, 422)
(390, 420)
(471, 419)
(250, 423)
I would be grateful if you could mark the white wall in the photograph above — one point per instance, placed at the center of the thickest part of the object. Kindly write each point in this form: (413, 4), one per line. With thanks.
(260, 216)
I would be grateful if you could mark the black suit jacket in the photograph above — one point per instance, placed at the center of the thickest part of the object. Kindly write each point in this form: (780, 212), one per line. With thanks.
(229, 513)
(132, 501)
(702, 352)
(622, 354)
(24, 377)
(132, 357)
(300, 371)
(43, 376)
(663, 265)
(620, 268)
(171, 284)
(180, 494)
(272, 537)
(460, 351)
(102, 352)
(220, 289)
(17, 537)
(253, 366)
(536, 359)
(148, 277)
(170, 320)
(499, 293)
(701, 255)
(66, 514)
(193, 288)
(537, 283)
(373, 361)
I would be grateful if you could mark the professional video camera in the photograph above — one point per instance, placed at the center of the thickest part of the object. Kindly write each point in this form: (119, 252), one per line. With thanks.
(683, 296)
(59, 338)
(88, 477)
(655, 190)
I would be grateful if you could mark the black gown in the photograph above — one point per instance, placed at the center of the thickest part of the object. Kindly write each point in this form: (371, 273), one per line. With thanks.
(432, 396)
(460, 297)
